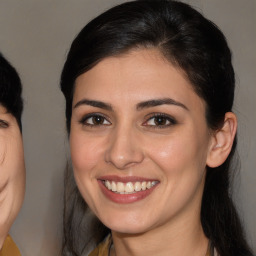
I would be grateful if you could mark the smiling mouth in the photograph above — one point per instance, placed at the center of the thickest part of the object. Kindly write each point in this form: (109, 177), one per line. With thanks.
(129, 187)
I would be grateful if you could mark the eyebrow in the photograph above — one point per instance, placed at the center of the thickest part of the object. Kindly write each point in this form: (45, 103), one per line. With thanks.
(158, 102)
(139, 106)
(94, 103)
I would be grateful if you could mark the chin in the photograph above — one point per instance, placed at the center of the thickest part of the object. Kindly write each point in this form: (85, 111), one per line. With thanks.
(129, 230)
(127, 226)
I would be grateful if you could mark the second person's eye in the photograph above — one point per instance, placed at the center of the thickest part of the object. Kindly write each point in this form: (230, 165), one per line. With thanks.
(3, 124)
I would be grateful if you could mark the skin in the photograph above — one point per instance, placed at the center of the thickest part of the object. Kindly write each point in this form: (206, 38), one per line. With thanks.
(12, 172)
(129, 141)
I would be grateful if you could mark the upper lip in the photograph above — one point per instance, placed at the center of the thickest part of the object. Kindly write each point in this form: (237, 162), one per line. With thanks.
(125, 179)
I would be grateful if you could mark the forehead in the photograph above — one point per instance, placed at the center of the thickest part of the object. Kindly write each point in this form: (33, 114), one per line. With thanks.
(138, 75)
(137, 67)
(3, 109)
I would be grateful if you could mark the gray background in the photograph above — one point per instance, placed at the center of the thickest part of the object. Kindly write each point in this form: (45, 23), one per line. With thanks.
(35, 36)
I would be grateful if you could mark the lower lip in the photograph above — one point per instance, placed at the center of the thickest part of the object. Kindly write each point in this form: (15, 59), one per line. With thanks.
(125, 198)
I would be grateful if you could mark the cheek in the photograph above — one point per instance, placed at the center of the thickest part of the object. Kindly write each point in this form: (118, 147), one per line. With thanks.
(12, 180)
(85, 153)
(180, 153)
(14, 164)
(2, 150)
(168, 152)
(12, 159)
(181, 163)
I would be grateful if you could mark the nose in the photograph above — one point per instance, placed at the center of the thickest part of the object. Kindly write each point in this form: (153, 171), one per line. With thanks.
(124, 149)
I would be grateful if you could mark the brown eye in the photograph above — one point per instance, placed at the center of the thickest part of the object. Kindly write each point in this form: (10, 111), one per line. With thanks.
(95, 120)
(3, 124)
(160, 120)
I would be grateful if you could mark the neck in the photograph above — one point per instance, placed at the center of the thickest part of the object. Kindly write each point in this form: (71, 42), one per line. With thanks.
(177, 239)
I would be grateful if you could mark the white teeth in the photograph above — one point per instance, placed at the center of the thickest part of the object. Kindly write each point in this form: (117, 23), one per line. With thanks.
(154, 183)
(129, 187)
(107, 184)
(144, 185)
(149, 185)
(113, 186)
(137, 186)
(119, 187)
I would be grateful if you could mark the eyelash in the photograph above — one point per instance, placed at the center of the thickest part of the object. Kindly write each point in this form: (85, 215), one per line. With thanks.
(165, 118)
(3, 124)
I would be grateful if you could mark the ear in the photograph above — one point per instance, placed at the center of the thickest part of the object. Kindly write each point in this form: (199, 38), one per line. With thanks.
(222, 141)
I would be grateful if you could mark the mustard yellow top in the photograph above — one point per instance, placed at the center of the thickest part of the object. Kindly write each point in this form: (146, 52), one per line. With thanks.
(9, 248)
(104, 247)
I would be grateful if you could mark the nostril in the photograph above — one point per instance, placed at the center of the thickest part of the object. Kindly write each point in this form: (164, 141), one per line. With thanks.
(123, 150)
(123, 161)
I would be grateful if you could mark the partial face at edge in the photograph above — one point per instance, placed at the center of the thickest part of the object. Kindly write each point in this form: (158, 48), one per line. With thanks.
(136, 118)
(12, 171)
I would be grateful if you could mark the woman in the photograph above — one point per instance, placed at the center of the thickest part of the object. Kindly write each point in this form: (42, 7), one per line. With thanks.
(149, 88)
(12, 169)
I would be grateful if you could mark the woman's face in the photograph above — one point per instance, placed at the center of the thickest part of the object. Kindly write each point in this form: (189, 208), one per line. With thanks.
(139, 142)
(12, 171)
